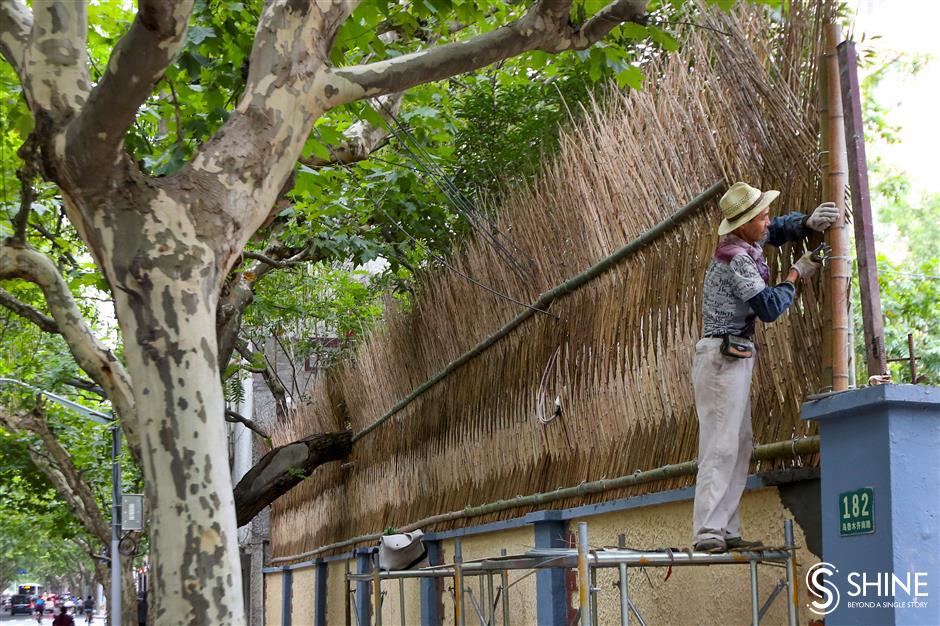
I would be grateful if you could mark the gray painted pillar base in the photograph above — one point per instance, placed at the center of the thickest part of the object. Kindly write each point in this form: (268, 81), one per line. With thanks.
(287, 583)
(550, 592)
(880, 504)
(320, 597)
(431, 588)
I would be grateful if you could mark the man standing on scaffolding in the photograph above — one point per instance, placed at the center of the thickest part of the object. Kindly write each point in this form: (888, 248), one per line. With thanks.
(735, 294)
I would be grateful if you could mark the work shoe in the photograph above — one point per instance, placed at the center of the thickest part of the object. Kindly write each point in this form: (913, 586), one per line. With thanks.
(712, 546)
(737, 543)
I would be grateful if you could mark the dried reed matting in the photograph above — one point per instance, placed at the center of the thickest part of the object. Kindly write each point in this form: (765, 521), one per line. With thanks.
(731, 106)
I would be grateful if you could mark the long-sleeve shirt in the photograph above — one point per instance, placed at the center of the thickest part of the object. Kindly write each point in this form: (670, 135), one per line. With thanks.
(736, 292)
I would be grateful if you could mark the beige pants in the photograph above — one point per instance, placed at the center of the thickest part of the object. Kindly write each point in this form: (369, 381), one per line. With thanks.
(723, 402)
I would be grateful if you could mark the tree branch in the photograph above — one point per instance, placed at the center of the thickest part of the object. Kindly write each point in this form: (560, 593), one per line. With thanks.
(85, 385)
(281, 469)
(29, 152)
(90, 354)
(65, 257)
(37, 317)
(270, 378)
(15, 24)
(57, 466)
(55, 76)
(265, 259)
(288, 87)
(137, 63)
(362, 138)
(237, 418)
(240, 292)
(545, 26)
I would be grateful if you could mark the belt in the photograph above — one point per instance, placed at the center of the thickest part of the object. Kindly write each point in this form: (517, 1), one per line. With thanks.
(722, 336)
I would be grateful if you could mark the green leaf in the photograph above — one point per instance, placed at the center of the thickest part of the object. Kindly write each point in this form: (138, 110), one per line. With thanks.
(197, 34)
(370, 115)
(318, 149)
(631, 77)
(632, 30)
(664, 39)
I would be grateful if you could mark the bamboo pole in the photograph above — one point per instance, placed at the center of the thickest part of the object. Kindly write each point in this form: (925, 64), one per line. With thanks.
(584, 585)
(869, 292)
(825, 378)
(837, 180)
(550, 296)
(766, 452)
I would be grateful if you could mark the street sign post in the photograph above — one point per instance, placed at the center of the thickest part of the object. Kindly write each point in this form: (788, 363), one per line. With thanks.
(133, 514)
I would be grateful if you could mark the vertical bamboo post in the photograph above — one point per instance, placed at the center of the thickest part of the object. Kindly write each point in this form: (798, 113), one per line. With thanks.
(825, 296)
(459, 615)
(377, 590)
(584, 580)
(869, 292)
(504, 594)
(912, 358)
(348, 606)
(839, 267)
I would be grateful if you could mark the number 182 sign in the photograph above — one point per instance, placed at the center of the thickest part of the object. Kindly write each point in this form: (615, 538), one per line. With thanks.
(857, 512)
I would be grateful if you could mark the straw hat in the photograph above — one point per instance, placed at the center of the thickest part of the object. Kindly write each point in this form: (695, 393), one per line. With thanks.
(741, 203)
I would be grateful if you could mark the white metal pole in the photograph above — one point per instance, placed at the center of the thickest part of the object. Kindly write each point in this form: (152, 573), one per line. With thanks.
(624, 591)
(792, 583)
(115, 525)
(755, 600)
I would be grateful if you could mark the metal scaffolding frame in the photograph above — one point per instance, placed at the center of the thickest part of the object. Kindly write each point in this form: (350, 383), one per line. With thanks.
(586, 561)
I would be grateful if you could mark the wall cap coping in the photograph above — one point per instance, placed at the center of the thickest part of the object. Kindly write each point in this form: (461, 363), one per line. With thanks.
(866, 398)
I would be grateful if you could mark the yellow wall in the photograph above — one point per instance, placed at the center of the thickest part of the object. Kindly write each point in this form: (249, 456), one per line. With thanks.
(272, 598)
(521, 594)
(303, 592)
(335, 594)
(717, 594)
(392, 602)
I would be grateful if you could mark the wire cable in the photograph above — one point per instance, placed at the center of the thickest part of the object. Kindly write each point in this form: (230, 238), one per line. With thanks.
(357, 180)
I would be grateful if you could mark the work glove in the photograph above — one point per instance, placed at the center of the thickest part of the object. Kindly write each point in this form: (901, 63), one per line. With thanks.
(805, 265)
(823, 217)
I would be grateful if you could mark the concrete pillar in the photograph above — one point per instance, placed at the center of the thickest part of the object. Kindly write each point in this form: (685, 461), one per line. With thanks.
(880, 504)
(551, 595)
(431, 588)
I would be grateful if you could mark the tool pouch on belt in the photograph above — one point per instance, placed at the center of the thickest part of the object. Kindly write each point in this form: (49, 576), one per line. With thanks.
(737, 347)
